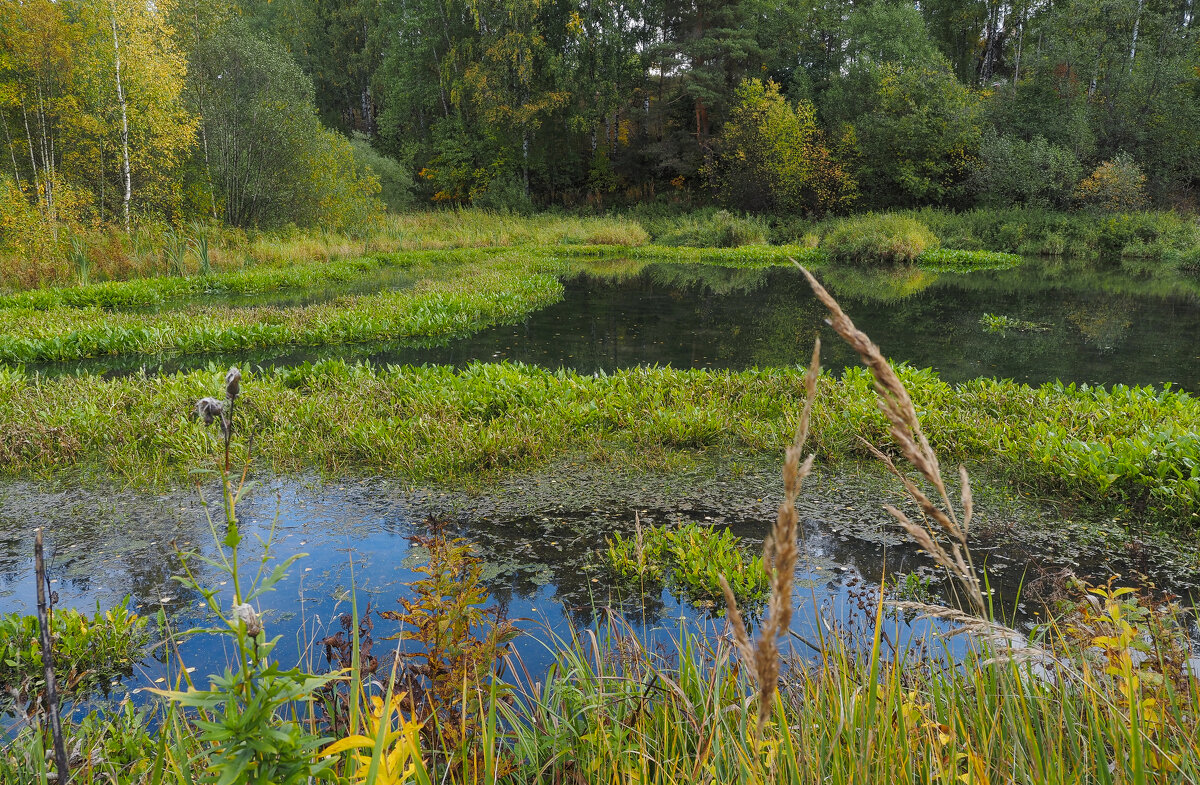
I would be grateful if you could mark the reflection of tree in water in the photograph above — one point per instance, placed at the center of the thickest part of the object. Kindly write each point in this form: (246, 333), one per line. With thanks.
(1103, 324)
(713, 279)
(887, 285)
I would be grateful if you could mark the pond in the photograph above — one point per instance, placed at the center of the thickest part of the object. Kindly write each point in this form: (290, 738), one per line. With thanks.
(1035, 323)
(542, 537)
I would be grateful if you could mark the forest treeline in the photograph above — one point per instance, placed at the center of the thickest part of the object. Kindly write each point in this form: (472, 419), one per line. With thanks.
(261, 113)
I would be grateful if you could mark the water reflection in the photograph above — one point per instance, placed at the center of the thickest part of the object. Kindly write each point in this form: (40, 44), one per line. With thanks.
(541, 537)
(1095, 326)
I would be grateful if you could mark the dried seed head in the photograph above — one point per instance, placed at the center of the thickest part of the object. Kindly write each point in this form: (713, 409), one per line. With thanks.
(233, 383)
(245, 614)
(209, 409)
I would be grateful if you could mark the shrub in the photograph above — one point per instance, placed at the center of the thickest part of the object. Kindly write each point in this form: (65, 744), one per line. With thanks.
(1114, 186)
(503, 194)
(395, 182)
(1014, 171)
(773, 156)
(876, 239)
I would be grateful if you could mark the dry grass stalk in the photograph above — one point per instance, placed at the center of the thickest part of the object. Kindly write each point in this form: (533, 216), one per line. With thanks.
(905, 429)
(781, 553)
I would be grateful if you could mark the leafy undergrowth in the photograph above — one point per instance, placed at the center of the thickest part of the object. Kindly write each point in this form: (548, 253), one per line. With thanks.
(691, 557)
(88, 652)
(1130, 448)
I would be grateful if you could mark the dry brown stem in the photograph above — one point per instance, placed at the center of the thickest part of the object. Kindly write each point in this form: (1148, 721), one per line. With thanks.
(780, 555)
(905, 430)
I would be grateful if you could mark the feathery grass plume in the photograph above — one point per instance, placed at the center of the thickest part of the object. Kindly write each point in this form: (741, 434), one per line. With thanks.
(779, 555)
(905, 430)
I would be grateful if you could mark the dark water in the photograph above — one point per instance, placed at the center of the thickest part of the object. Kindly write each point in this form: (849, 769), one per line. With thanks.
(1087, 326)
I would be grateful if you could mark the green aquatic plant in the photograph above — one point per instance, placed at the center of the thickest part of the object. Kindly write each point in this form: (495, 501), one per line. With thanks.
(692, 557)
(465, 300)
(89, 652)
(1109, 448)
(999, 323)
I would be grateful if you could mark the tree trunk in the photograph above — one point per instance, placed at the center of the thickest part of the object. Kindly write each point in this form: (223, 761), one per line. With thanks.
(124, 121)
(1137, 20)
(37, 186)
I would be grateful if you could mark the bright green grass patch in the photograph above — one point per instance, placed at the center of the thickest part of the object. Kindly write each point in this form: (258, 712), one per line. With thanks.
(467, 299)
(878, 239)
(1125, 447)
(150, 292)
(88, 652)
(692, 557)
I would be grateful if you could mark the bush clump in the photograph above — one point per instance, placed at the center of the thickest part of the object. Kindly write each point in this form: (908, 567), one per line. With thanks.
(877, 239)
(1114, 186)
(720, 229)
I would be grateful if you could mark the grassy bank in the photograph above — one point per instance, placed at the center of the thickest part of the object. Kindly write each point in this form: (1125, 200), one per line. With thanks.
(1162, 238)
(1125, 448)
(154, 292)
(450, 302)
(152, 251)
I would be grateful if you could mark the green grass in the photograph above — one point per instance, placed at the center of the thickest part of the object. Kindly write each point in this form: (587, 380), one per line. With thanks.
(453, 303)
(878, 239)
(151, 292)
(1167, 237)
(1123, 448)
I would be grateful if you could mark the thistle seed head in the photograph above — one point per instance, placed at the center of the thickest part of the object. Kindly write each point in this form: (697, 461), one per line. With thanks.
(233, 383)
(209, 409)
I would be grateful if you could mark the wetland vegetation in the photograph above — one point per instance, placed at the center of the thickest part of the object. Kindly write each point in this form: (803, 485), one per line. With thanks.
(401, 390)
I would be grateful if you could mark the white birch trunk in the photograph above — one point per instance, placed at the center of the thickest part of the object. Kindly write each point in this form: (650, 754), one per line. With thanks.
(124, 121)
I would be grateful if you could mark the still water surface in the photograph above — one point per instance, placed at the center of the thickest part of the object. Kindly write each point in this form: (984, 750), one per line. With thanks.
(1077, 326)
